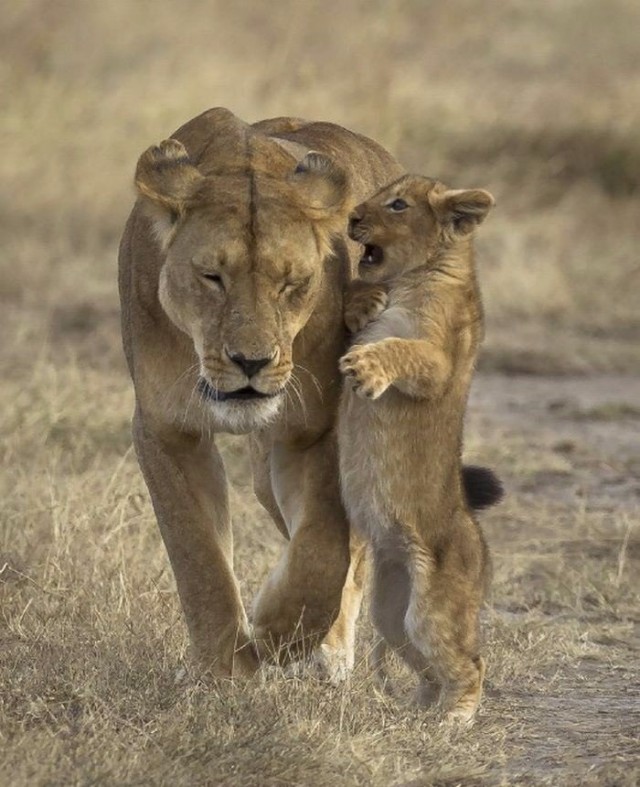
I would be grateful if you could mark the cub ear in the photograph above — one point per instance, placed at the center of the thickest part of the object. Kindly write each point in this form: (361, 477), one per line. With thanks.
(322, 188)
(168, 182)
(462, 209)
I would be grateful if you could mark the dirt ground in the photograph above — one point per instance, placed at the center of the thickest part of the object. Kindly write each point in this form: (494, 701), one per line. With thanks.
(566, 550)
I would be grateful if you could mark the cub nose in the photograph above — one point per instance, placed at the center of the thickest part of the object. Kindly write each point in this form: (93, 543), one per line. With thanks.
(249, 366)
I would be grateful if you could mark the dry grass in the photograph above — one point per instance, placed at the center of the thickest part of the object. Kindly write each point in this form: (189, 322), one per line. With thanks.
(539, 102)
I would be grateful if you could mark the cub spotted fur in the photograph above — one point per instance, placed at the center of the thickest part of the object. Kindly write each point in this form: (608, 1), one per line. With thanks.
(417, 318)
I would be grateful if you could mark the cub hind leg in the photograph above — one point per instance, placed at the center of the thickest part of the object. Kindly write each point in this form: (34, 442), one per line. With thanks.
(390, 598)
(442, 622)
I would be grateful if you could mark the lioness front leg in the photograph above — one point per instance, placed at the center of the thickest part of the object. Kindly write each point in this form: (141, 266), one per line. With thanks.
(187, 482)
(336, 655)
(417, 367)
(300, 598)
(363, 303)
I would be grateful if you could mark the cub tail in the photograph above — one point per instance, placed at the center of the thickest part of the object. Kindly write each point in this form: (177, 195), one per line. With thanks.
(482, 487)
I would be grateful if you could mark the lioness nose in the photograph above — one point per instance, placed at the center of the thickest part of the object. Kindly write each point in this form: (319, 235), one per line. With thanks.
(249, 366)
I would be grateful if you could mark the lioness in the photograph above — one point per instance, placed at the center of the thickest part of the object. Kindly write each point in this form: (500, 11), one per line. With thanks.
(232, 270)
(400, 429)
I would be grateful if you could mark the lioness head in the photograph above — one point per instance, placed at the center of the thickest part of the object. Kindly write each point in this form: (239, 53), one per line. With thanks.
(413, 222)
(243, 266)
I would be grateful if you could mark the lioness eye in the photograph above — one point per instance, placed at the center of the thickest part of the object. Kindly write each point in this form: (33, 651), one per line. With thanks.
(290, 287)
(398, 205)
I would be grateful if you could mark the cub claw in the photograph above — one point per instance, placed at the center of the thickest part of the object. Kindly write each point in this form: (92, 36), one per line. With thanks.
(363, 369)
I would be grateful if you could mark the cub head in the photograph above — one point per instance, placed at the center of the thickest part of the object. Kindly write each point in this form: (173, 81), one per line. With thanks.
(413, 222)
(243, 260)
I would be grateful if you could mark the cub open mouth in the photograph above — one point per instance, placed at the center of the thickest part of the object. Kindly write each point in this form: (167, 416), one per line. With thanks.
(207, 391)
(373, 255)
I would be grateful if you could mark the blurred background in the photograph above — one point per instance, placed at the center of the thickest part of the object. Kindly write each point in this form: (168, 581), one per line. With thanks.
(539, 102)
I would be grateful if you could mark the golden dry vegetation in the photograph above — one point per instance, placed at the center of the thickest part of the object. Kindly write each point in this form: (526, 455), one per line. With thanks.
(537, 101)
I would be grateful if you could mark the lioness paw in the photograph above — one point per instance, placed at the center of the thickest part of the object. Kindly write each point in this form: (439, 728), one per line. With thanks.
(363, 307)
(364, 370)
(333, 664)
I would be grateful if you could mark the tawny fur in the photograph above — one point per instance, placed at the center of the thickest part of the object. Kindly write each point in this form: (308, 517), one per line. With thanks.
(237, 246)
(417, 316)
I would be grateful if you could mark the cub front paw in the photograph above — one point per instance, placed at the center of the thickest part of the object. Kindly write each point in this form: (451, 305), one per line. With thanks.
(364, 370)
(363, 307)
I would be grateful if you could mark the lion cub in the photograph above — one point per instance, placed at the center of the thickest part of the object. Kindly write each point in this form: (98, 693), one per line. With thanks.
(416, 316)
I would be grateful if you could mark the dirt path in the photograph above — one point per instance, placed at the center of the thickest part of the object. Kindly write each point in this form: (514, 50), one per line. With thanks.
(592, 424)
(566, 545)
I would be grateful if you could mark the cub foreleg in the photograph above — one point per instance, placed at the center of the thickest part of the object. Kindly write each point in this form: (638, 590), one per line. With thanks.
(417, 367)
(363, 303)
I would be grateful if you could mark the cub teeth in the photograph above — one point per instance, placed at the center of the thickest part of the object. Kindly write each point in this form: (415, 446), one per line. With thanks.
(372, 255)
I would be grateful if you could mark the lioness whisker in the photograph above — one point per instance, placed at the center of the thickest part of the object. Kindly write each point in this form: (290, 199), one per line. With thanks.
(179, 379)
(174, 406)
(189, 401)
(297, 389)
(314, 379)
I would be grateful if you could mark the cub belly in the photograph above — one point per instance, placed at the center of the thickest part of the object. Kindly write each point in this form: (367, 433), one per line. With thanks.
(359, 451)
(368, 440)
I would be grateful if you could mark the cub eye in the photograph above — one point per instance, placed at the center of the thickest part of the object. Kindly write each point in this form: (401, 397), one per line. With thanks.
(214, 277)
(398, 205)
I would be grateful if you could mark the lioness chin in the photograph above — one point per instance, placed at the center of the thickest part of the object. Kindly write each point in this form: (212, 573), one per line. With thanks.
(417, 316)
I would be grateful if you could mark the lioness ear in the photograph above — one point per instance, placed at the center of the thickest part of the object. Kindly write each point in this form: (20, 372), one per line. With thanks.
(321, 186)
(168, 181)
(461, 209)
